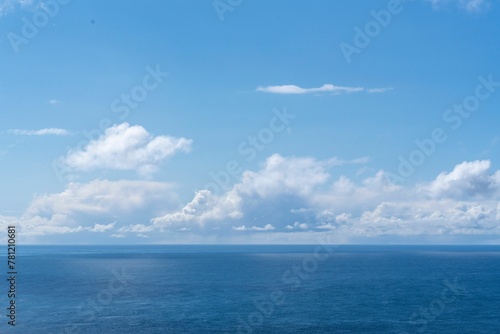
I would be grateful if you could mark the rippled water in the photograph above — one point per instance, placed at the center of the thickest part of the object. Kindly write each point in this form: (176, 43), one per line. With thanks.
(256, 289)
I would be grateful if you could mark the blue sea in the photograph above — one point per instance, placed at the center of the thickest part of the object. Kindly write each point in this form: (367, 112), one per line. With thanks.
(255, 289)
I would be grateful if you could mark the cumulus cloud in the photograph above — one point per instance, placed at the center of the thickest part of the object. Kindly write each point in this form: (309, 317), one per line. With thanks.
(468, 179)
(441, 217)
(101, 228)
(288, 199)
(204, 207)
(280, 177)
(98, 200)
(137, 228)
(265, 194)
(297, 225)
(299, 195)
(125, 147)
(326, 88)
(98, 196)
(41, 132)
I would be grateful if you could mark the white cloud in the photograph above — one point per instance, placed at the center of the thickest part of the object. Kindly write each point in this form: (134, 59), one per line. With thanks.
(297, 225)
(289, 199)
(204, 207)
(343, 217)
(98, 200)
(98, 196)
(55, 102)
(7, 6)
(326, 88)
(431, 217)
(124, 147)
(41, 132)
(473, 5)
(138, 228)
(299, 195)
(267, 227)
(378, 90)
(280, 179)
(102, 228)
(467, 5)
(279, 176)
(468, 179)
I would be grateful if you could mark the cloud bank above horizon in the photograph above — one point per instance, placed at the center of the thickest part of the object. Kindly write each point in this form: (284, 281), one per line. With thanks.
(289, 199)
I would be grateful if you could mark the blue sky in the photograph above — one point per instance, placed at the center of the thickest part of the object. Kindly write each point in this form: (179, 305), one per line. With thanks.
(250, 121)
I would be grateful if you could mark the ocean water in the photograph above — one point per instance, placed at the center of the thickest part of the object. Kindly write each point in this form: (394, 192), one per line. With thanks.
(255, 289)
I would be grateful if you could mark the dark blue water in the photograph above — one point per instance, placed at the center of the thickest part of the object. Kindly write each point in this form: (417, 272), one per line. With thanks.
(255, 289)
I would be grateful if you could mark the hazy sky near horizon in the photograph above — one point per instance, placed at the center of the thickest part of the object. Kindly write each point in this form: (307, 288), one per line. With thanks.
(226, 121)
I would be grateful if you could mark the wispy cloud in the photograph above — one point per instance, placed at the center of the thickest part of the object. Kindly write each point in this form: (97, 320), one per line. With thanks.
(467, 5)
(267, 227)
(7, 6)
(55, 102)
(379, 90)
(41, 132)
(326, 88)
(474, 5)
